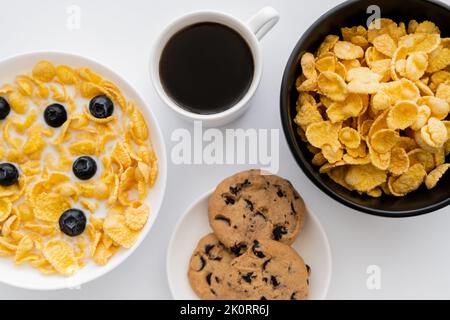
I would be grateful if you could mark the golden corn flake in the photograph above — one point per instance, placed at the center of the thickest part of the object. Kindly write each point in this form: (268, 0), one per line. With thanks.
(420, 42)
(439, 108)
(399, 161)
(385, 44)
(384, 140)
(308, 65)
(347, 51)
(331, 153)
(136, 216)
(332, 85)
(410, 181)
(327, 44)
(402, 115)
(49, 207)
(5, 208)
(434, 176)
(18, 102)
(416, 65)
(61, 256)
(427, 27)
(307, 114)
(349, 137)
(380, 101)
(373, 106)
(113, 201)
(116, 228)
(324, 132)
(326, 63)
(435, 133)
(439, 59)
(44, 71)
(423, 115)
(342, 110)
(365, 177)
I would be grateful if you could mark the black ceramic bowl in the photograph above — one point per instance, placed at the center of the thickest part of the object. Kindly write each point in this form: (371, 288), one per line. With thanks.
(351, 13)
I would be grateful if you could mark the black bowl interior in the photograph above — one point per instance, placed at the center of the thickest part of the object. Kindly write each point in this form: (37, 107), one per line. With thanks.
(348, 14)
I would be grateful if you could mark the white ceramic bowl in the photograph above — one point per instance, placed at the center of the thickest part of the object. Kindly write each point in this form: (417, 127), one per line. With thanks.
(24, 276)
(312, 244)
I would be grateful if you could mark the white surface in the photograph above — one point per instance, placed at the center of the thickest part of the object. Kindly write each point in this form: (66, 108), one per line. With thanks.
(411, 253)
(312, 244)
(27, 277)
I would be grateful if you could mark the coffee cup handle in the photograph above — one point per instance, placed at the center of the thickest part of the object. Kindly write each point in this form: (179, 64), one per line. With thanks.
(263, 21)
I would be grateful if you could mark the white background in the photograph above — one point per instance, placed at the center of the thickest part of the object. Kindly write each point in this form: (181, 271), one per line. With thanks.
(412, 253)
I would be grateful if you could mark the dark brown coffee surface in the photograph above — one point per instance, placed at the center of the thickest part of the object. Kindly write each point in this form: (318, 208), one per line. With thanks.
(206, 68)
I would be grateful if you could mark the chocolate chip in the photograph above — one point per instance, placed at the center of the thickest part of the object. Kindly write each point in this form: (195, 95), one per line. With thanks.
(293, 296)
(280, 193)
(220, 217)
(308, 269)
(248, 277)
(208, 248)
(278, 232)
(238, 248)
(217, 279)
(235, 190)
(203, 264)
(248, 204)
(213, 292)
(260, 214)
(274, 281)
(208, 278)
(257, 253)
(246, 183)
(263, 298)
(228, 200)
(265, 264)
(293, 208)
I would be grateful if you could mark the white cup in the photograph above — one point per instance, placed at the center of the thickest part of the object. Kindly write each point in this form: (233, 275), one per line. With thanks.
(252, 31)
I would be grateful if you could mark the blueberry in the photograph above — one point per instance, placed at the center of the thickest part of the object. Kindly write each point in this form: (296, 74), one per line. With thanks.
(55, 115)
(8, 174)
(84, 168)
(4, 108)
(101, 107)
(72, 222)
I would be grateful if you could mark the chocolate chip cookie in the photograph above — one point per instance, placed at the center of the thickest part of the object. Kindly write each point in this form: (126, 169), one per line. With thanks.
(249, 206)
(207, 269)
(267, 270)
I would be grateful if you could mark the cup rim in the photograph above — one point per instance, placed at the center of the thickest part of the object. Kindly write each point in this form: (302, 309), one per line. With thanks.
(167, 32)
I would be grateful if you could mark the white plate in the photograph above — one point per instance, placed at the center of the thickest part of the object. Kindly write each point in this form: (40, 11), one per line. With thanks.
(312, 244)
(24, 276)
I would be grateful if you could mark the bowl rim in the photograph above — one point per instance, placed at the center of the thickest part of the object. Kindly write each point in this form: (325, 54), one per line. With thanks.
(298, 155)
(162, 163)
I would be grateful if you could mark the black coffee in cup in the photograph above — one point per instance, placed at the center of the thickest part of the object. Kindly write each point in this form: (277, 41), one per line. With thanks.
(206, 68)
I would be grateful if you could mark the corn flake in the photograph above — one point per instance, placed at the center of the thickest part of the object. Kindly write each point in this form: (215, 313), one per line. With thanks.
(115, 227)
(434, 176)
(61, 256)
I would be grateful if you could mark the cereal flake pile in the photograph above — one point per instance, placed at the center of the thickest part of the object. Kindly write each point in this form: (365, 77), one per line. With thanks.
(57, 176)
(373, 107)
